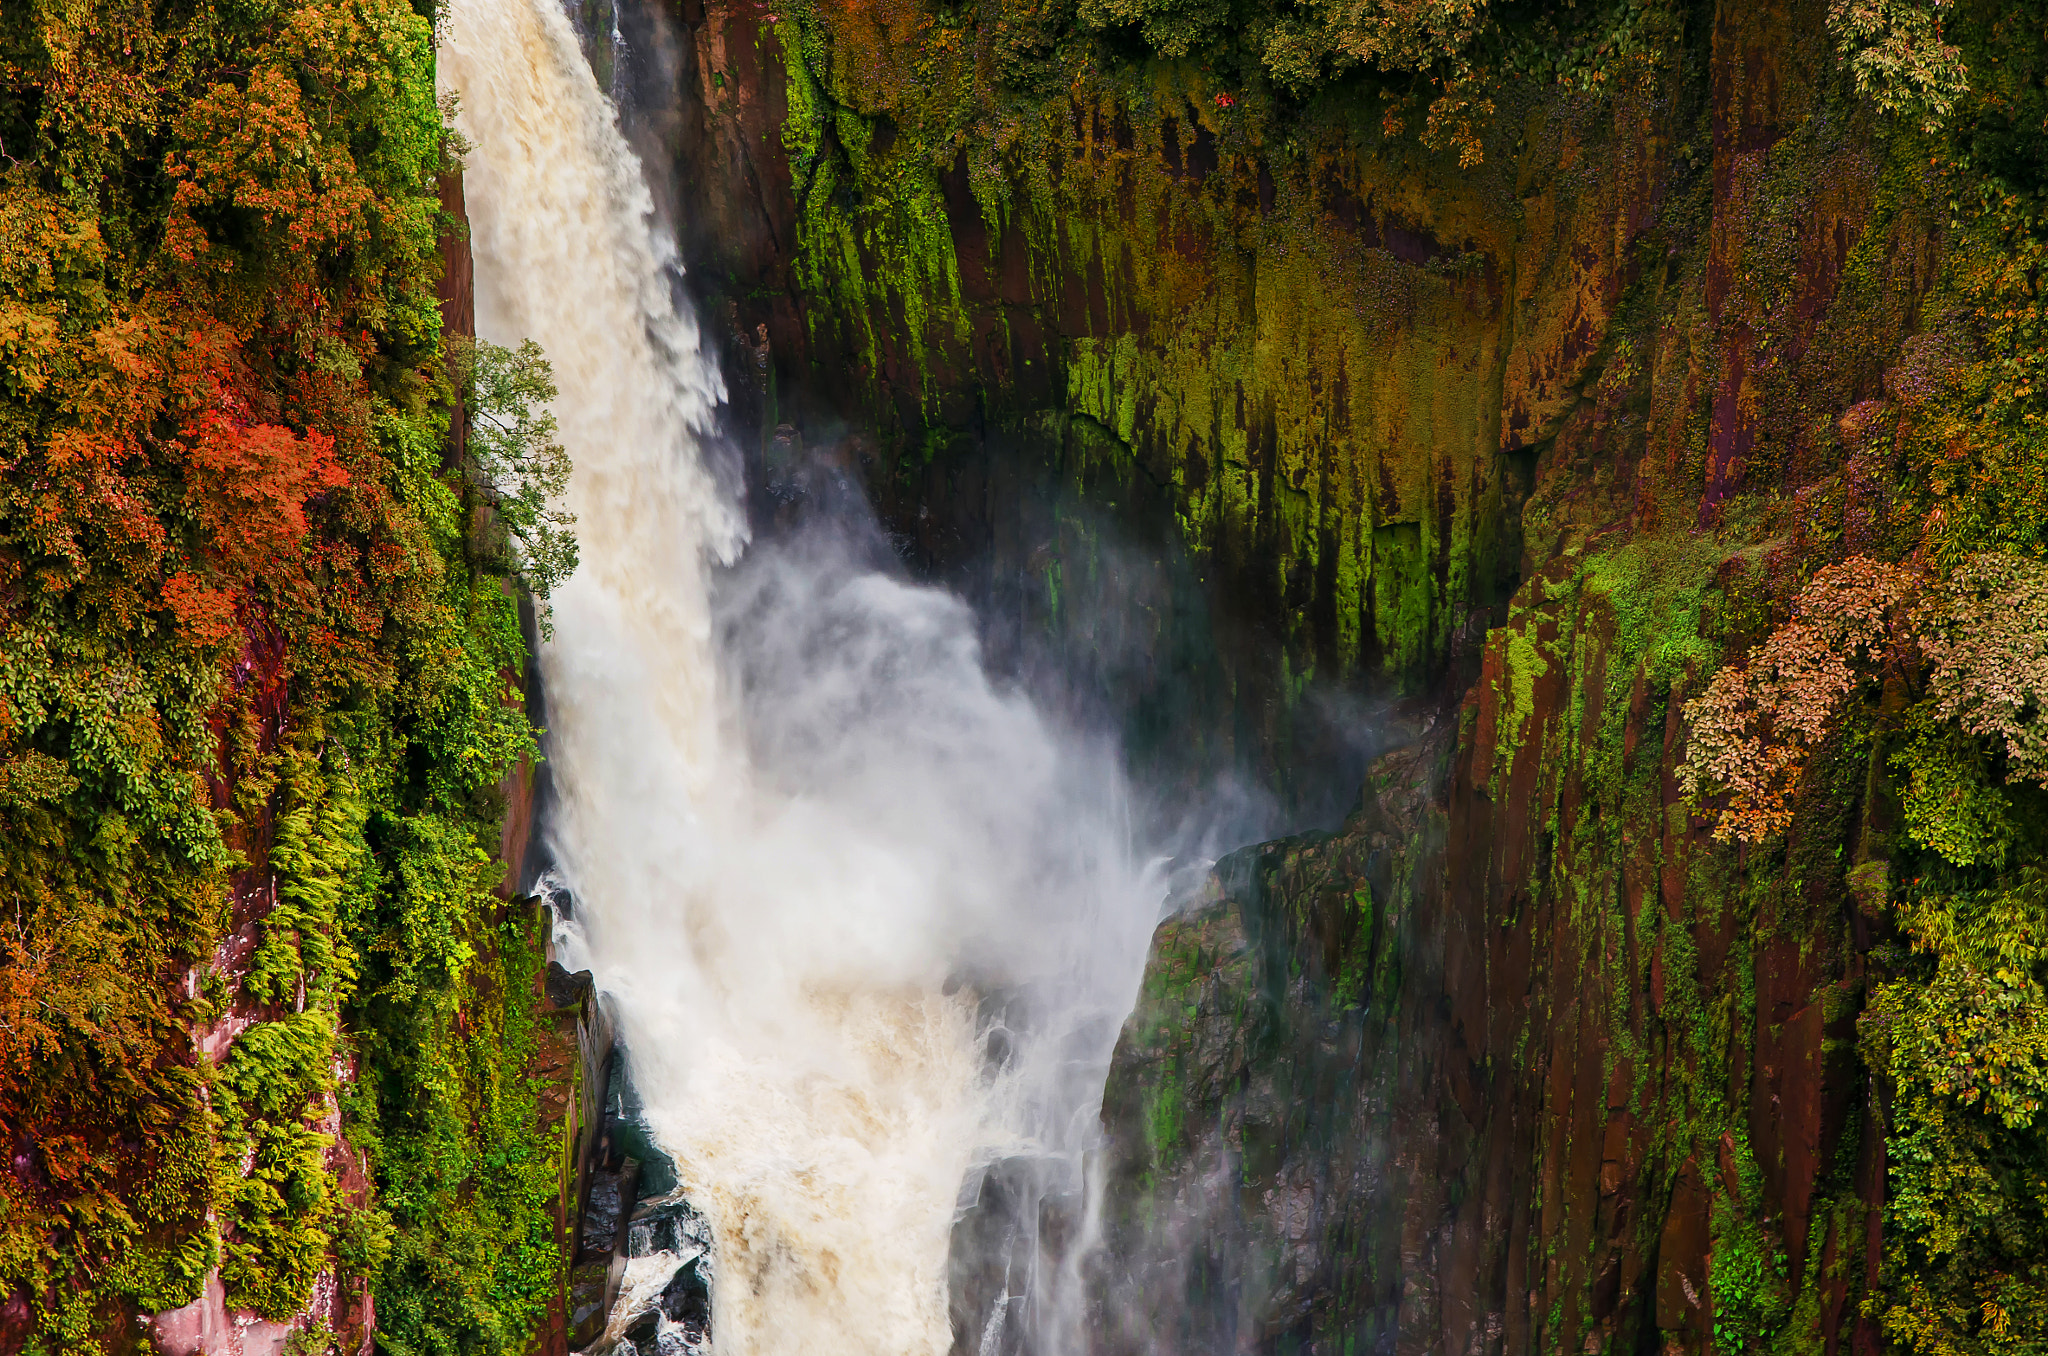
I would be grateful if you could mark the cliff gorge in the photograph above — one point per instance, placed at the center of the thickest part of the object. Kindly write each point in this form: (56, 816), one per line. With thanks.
(1622, 421)
(1696, 328)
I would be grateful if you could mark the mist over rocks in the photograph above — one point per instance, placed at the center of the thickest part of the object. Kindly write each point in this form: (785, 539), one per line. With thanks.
(1262, 1181)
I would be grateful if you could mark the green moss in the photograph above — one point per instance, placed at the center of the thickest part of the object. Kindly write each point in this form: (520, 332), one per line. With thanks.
(1165, 1112)
(874, 242)
(1525, 664)
(1288, 390)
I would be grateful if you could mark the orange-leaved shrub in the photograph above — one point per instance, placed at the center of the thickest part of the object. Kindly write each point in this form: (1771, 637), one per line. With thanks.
(1753, 728)
(1977, 642)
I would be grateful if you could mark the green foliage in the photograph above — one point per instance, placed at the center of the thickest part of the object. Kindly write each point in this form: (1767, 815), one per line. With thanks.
(255, 681)
(278, 1065)
(1321, 36)
(1963, 1037)
(1318, 39)
(1952, 804)
(1172, 28)
(275, 1237)
(512, 441)
(1749, 1283)
(467, 1175)
(1975, 388)
(1896, 55)
(1977, 1031)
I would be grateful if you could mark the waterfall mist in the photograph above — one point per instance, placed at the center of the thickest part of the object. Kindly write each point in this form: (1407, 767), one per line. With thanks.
(870, 918)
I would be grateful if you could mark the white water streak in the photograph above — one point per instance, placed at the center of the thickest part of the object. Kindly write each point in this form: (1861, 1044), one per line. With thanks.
(778, 927)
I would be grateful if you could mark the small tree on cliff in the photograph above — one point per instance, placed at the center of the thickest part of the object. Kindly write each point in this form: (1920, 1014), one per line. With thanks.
(1898, 58)
(523, 470)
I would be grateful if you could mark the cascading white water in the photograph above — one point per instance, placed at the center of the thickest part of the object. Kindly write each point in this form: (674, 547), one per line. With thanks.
(794, 810)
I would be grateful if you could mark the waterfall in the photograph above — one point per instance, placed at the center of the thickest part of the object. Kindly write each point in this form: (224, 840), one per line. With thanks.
(870, 919)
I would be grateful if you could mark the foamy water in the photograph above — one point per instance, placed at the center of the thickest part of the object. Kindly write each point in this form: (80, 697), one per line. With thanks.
(794, 810)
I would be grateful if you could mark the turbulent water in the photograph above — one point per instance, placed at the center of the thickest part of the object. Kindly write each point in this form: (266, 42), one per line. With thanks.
(822, 860)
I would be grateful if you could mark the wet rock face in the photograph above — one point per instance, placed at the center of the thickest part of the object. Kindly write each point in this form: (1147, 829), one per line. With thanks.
(674, 1320)
(1581, 419)
(686, 1301)
(1021, 1218)
(1310, 364)
(1260, 1154)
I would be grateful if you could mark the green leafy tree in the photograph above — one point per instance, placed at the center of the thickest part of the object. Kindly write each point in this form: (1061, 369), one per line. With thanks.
(1898, 59)
(512, 443)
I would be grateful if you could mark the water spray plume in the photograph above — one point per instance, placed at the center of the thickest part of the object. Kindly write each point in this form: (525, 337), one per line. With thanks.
(825, 865)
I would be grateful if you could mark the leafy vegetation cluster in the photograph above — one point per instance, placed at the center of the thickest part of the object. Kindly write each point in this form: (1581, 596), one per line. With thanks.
(521, 470)
(1978, 647)
(983, 72)
(1899, 59)
(256, 693)
(1943, 653)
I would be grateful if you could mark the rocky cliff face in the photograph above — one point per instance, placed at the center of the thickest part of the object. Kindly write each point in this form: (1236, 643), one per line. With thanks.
(1523, 1057)
(1276, 1167)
